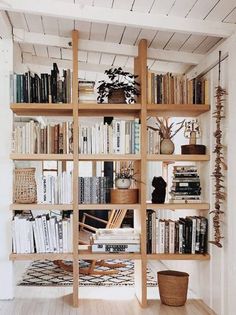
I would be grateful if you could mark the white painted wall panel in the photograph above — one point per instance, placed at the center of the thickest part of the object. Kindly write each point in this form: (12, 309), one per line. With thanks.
(114, 33)
(192, 43)
(181, 8)
(34, 23)
(18, 20)
(130, 35)
(206, 45)
(107, 59)
(162, 6)
(98, 31)
(41, 50)
(65, 27)
(83, 28)
(143, 6)
(201, 9)
(54, 52)
(221, 10)
(123, 4)
(103, 3)
(161, 39)
(177, 40)
(27, 48)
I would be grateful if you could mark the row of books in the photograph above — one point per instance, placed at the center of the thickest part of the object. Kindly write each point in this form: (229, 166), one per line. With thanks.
(55, 189)
(121, 137)
(34, 138)
(185, 236)
(185, 184)
(46, 88)
(42, 234)
(176, 89)
(93, 190)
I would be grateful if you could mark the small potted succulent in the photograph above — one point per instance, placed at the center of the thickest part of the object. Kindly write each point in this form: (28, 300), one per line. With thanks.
(124, 177)
(122, 88)
(167, 132)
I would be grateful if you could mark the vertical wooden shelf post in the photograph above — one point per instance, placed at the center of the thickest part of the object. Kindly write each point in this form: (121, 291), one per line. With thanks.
(75, 36)
(141, 265)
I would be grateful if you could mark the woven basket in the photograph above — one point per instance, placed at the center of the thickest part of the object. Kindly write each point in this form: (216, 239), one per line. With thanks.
(25, 189)
(173, 287)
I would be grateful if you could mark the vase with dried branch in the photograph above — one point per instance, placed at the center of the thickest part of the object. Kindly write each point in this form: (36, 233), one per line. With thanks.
(218, 175)
(167, 131)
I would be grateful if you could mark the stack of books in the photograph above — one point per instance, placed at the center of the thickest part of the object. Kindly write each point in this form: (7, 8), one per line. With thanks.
(185, 236)
(185, 185)
(153, 144)
(86, 92)
(126, 240)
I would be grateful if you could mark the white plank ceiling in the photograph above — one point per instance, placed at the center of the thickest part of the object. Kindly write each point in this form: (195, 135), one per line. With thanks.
(208, 10)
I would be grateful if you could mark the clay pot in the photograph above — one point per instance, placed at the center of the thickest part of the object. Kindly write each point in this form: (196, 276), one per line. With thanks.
(167, 146)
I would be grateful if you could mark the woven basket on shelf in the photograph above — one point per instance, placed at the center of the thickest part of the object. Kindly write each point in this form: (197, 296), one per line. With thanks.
(25, 188)
(173, 287)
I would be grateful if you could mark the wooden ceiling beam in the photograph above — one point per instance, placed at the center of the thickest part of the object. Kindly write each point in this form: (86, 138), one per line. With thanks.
(22, 36)
(78, 11)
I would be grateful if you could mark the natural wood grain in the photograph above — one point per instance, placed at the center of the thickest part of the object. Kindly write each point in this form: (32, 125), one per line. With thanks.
(177, 206)
(109, 206)
(38, 256)
(179, 256)
(42, 109)
(109, 109)
(61, 207)
(177, 110)
(41, 157)
(109, 157)
(86, 254)
(59, 304)
(178, 157)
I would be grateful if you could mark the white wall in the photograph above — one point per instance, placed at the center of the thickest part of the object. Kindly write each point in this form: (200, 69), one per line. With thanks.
(6, 66)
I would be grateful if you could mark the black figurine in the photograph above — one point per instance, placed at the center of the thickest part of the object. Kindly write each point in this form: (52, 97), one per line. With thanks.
(159, 193)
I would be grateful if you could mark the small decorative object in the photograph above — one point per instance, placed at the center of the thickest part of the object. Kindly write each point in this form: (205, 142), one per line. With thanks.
(25, 189)
(124, 177)
(173, 287)
(192, 131)
(166, 133)
(124, 196)
(159, 193)
(122, 87)
(219, 193)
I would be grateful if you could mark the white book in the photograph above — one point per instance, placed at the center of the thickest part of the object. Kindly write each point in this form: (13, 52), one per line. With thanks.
(45, 233)
(57, 237)
(36, 237)
(39, 226)
(50, 237)
(70, 241)
(194, 227)
(171, 237)
(180, 238)
(13, 236)
(122, 136)
(52, 223)
(65, 236)
(161, 241)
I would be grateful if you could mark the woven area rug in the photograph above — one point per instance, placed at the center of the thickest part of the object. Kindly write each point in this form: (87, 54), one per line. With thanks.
(45, 273)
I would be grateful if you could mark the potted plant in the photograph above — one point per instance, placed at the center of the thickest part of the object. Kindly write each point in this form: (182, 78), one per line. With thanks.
(124, 177)
(167, 132)
(122, 87)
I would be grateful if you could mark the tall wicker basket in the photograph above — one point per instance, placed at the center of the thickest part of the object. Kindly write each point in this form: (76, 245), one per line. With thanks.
(173, 287)
(25, 188)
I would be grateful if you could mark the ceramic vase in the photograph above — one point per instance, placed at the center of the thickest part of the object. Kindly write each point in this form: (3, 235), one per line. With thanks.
(167, 146)
(123, 183)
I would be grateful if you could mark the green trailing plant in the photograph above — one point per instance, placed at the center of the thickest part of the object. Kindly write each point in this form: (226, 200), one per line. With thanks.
(118, 79)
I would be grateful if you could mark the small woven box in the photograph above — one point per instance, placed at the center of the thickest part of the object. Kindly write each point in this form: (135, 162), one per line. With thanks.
(25, 188)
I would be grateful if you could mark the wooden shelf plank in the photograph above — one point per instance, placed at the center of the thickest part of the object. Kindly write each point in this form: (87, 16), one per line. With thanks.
(177, 206)
(93, 109)
(108, 206)
(42, 109)
(178, 256)
(41, 157)
(61, 207)
(86, 254)
(37, 256)
(109, 157)
(178, 157)
(177, 110)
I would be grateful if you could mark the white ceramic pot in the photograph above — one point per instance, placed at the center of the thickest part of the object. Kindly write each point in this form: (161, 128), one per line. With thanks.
(167, 146)
(123, 183)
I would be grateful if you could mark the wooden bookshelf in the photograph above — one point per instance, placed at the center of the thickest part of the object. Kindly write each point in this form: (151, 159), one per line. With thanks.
(178, 157)
(86, 254)
(41, 157)
(109, 157)
(139, 110)
(42, 109)
(178, 206)
(178, 256)
(33, 206)
(39, 256)
(109, 109)
(177, 110)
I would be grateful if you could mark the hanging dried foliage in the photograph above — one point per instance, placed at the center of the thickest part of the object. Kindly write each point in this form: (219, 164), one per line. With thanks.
(219, 193)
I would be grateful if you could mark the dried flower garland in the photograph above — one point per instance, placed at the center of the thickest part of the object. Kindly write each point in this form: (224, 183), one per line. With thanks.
(219, 163)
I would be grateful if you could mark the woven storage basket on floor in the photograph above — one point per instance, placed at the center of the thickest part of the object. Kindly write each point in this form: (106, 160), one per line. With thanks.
(25, 189)
(173, 287)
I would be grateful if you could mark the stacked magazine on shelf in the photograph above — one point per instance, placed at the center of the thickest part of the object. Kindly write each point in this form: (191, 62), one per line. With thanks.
(116, 240)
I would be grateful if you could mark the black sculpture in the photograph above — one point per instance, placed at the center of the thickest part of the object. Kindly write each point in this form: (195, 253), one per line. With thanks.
(159, 193)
